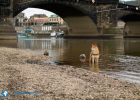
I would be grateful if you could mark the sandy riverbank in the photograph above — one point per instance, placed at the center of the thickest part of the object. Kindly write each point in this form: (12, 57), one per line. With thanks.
(23, 71)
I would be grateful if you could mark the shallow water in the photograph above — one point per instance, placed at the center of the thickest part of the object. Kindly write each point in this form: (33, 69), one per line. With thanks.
(118, 57)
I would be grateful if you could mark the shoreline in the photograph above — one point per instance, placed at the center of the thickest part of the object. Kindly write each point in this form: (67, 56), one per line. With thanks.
(96, 36)
(61, 82)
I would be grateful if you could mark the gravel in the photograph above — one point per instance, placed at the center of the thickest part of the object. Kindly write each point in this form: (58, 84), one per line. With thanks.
(23, 70)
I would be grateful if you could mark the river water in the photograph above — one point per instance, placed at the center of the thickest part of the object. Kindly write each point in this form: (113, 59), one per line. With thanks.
(119, 58)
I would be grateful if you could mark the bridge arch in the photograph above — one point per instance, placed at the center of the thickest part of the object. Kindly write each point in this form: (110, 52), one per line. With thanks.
(77, 18)
(132, 24)
(130, 17)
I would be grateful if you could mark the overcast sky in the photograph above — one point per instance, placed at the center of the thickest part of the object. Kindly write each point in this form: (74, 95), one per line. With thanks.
(31, 11)
(128, 0)
(131, 2)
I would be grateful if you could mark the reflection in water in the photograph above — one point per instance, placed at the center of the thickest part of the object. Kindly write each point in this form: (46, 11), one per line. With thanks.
(94, 67)
(54, 46)
(8, 43)
(42, 44)
(67, 51)
(117, 56)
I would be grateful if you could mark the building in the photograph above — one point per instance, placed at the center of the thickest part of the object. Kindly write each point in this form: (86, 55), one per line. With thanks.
(40, 23)
(56, 19)
(20, 20)
(38, 19)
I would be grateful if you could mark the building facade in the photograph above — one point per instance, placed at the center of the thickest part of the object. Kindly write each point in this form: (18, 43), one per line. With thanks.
(40, 23)
(20, 20)
(56, 19)
(38, 19)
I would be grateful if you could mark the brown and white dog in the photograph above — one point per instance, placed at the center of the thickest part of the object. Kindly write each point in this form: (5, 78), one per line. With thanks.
(94, 54)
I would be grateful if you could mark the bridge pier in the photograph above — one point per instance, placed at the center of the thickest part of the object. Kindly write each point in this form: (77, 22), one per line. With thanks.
(132, 29)
(81, 26)
(7, 30)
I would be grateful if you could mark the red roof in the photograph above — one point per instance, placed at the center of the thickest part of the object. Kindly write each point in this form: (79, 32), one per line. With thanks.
(40, 19)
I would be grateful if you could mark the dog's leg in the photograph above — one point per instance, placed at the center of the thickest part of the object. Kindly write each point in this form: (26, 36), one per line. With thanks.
(97, 59)
(92, 59)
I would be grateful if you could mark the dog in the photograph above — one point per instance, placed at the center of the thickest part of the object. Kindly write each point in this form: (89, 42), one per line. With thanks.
(94, 54)
(82, 58)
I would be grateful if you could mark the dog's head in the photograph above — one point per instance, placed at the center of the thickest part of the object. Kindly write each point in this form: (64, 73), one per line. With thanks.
(93, 47)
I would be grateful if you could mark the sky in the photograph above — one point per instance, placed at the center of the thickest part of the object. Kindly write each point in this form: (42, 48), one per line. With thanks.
(131, 2)
(128, 0)
(31, 11)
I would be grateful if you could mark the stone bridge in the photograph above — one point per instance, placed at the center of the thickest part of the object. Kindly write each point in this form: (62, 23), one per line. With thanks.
(83, 17)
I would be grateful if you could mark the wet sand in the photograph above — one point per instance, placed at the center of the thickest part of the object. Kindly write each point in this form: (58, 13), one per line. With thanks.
(23, 70)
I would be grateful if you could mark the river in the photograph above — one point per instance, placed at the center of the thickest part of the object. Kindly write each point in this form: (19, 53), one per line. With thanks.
(119, 58)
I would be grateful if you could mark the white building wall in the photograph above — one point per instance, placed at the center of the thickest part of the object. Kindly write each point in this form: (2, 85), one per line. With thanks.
(46, 28)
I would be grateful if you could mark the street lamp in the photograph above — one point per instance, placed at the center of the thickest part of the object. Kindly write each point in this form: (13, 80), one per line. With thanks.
(137, 8)
(127, 7)
(93, 1)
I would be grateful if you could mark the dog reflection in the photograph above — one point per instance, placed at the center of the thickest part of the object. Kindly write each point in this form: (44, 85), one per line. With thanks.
(94, 67)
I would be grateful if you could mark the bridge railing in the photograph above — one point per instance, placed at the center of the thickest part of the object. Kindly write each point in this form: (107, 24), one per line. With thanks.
(77, 1)
(129, 7)
(23, 1)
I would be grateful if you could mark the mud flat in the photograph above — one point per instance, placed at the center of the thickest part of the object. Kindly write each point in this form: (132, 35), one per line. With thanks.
(23, 70)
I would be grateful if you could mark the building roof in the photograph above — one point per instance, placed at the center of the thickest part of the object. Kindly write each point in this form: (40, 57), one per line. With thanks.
(40, 19)
(53, 16)
(39, 15)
